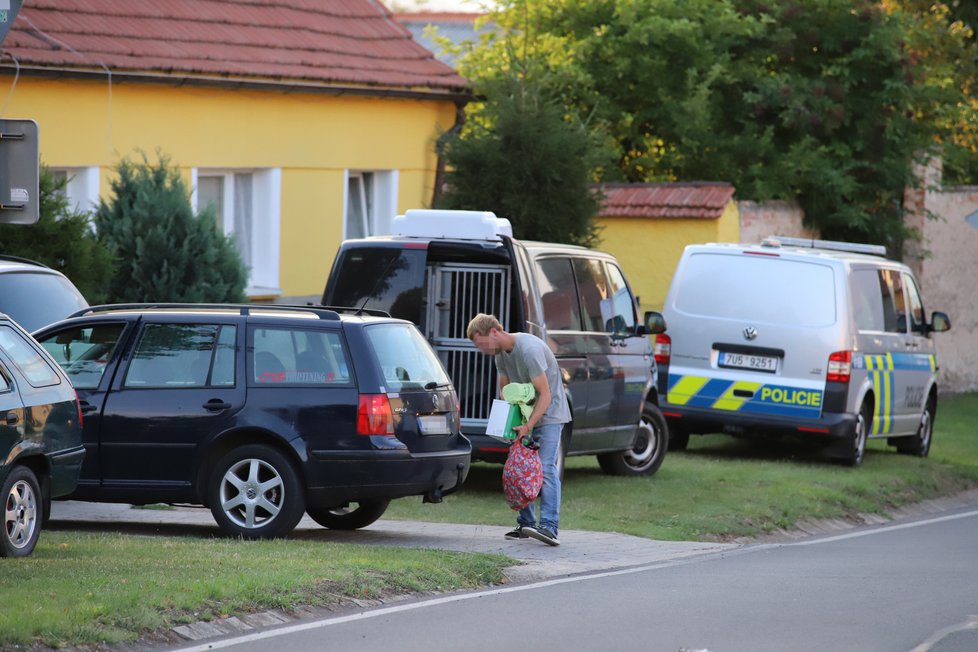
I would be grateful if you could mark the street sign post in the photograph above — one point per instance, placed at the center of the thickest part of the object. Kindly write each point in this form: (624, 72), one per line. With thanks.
(19, 166)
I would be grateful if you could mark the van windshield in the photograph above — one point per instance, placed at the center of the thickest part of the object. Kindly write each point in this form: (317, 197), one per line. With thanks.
(383, 278)
(758, 289)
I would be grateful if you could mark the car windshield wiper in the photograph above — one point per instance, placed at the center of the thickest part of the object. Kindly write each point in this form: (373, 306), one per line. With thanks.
(434, 384)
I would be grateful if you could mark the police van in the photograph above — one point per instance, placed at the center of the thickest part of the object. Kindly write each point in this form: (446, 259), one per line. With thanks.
(824, 340)
(440, 268)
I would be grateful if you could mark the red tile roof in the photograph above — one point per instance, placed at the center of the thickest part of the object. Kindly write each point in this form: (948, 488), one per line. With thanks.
(701, 199)
(289, 42)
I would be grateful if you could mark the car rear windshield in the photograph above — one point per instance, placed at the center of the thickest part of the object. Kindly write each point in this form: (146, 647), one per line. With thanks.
(757, 288)
(36, 300)
(384, 278)
(405, 358)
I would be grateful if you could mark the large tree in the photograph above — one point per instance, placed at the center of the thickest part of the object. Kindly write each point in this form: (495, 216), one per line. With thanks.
(826, 102)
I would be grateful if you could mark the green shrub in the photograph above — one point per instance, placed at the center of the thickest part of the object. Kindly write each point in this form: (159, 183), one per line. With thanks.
(165, 252)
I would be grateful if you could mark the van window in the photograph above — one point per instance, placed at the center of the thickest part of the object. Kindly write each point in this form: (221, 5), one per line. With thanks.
(558, 295)
(593, 289)
(622, 309)
(758, 289)
(383, 278)
(867, 300)
(894, 303)
(918, 318)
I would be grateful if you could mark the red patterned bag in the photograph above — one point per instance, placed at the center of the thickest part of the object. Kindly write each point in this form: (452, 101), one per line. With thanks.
(522, 475)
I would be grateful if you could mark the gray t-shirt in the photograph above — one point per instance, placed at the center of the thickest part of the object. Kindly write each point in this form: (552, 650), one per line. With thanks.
(529, 358)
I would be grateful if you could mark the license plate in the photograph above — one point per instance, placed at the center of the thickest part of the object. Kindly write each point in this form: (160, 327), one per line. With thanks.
(435, 424)
(746, 361)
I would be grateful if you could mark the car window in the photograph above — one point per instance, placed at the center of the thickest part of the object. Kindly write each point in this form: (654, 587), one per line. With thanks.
(404, 356)
(621, 305)
(386, 278)
(592, 287)
(795, 293)
(84, 353)
(918, 318)
(558, 294)
(894, 303)
(298, 357)
(182, 355)
(35, 368)
(867, 299)
(4, 383)
(19, 294)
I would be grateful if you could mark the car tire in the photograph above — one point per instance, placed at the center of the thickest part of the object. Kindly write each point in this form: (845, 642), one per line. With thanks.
(857, 442)
(255, 493)
(23, 513)
(349, 518)
(919, 444)
(648, 449)
(565, 435)
(678, 439)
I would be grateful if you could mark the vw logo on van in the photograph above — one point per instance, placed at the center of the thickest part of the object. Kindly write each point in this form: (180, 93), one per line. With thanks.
(750, 333)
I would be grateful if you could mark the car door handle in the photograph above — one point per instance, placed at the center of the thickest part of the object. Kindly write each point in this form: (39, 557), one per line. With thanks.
(12, 418)
(87, 407)
(216, 405)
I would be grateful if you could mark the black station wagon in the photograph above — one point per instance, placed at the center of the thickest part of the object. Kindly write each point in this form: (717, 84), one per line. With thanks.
(260, 413)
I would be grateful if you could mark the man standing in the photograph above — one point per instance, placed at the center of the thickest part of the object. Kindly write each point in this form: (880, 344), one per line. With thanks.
(524, 358)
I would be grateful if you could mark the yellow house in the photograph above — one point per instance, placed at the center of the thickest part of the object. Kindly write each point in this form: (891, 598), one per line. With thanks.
(647, 226)
(302, 122)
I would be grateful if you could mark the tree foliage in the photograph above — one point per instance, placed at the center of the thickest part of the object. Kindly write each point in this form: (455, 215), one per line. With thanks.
(62, 239)
(826, 102)
(166, 253)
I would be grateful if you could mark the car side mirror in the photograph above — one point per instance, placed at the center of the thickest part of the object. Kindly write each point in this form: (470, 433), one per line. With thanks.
(939, 322)
(655, 323)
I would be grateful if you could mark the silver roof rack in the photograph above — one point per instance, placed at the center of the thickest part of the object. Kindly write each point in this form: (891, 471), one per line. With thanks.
(853, 247)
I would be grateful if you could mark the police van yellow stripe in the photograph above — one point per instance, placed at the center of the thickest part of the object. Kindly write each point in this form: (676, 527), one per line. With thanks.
(744, 396)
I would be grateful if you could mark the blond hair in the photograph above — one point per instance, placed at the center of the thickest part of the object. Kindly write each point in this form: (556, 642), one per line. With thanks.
(481, 324)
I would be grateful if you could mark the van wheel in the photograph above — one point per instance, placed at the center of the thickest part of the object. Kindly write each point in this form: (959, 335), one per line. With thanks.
(678, 439)
(857, 444)
(349, 518)
(919, 444)
(647, 451)
(565, 435)
(22, 513)
(255, 493)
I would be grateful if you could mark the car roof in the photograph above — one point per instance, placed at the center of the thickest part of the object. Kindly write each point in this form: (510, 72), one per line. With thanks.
(796, 252)
(17, 264)
(318, 313)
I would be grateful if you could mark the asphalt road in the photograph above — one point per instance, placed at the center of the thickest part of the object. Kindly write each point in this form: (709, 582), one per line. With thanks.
(910, 586)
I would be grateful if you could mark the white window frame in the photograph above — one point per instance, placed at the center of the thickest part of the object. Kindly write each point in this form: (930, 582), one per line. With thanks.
(382, 200)
(82, 188)
(266, 211)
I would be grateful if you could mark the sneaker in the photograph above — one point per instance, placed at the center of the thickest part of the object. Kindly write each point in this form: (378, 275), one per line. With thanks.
(542, 534)
(518, 533)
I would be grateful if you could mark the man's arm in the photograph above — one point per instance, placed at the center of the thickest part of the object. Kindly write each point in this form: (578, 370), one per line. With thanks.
(503, 381)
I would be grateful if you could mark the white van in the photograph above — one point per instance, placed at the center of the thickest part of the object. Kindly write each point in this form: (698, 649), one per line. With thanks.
(817, 339)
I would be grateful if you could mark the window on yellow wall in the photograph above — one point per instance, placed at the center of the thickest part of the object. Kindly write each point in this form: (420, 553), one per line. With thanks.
(81, 187)
(370, 203)
(247, 204)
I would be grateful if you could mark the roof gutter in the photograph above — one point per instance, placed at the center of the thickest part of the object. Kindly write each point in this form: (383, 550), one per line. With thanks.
(459, 96)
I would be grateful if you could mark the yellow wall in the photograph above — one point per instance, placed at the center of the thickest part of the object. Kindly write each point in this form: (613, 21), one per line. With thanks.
(649, 248)
(313, 138)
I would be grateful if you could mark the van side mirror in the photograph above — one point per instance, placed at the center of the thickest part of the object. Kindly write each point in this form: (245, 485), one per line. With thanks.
(655, 323)
(939, 322)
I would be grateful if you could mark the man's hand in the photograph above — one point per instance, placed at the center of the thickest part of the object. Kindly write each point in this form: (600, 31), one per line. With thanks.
(522, 431)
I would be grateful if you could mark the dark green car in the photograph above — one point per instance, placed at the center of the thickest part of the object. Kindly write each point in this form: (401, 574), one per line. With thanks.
(41, 448)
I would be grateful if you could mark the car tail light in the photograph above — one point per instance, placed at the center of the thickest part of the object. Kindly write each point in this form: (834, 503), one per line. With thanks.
(374, 415)
(663, 348)
(81, 417)
(840, 367)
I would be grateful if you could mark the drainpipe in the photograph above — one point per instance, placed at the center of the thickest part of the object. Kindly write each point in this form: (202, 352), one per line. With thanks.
(440, 163)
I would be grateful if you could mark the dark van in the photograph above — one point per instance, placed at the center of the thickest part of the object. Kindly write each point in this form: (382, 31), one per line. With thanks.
(440, 268)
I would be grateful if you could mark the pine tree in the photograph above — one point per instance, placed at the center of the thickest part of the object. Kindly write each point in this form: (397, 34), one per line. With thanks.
(165, 252)
(62, 239)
